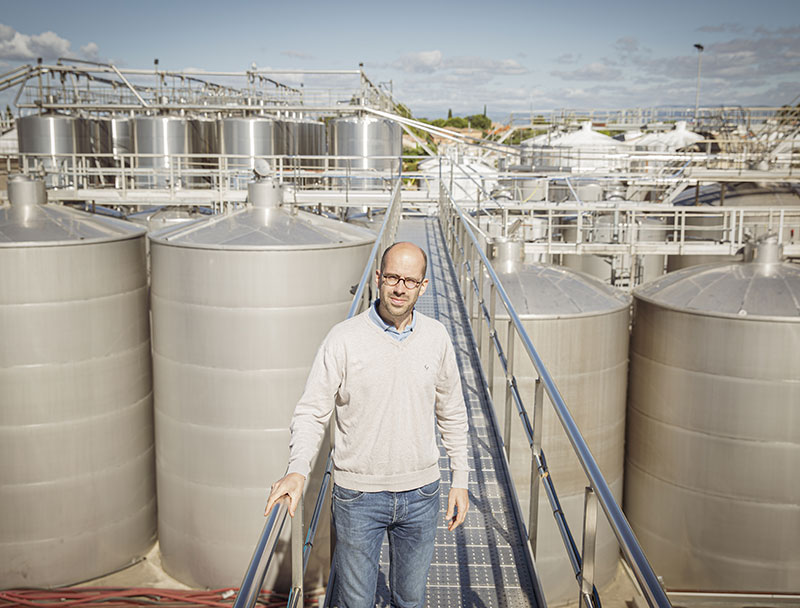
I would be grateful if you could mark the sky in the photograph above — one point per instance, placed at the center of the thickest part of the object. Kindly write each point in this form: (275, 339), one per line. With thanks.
(439, 56)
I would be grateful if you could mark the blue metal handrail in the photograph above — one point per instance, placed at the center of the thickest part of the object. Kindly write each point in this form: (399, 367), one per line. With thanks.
(455, 222)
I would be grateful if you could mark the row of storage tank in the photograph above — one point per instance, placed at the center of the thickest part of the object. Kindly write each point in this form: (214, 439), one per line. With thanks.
(239, 306)
(155, 140)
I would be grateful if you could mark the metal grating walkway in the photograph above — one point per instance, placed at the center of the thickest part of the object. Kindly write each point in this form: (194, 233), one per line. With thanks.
(484, 563)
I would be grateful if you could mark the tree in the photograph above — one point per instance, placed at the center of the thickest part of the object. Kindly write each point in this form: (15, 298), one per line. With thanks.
(449, 114)
(480, 121)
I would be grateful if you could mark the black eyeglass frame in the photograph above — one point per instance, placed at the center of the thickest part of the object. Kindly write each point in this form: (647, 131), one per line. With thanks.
(393, 279)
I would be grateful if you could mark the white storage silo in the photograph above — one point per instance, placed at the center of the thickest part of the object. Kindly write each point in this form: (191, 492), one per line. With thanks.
(579, 327)
(77, 483)
(240, 304)
(711, 478)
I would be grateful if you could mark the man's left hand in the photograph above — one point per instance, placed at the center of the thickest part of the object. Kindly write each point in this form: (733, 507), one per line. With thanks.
(457, 507)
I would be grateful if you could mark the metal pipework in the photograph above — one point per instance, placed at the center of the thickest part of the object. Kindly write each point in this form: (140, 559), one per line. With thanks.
(643, 572)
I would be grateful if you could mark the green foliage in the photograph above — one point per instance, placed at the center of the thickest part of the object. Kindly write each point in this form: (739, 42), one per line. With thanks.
(480, 121)
(402, 110)
(457, 122)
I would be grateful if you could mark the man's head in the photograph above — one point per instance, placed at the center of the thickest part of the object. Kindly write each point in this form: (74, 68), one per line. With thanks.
(401, 262)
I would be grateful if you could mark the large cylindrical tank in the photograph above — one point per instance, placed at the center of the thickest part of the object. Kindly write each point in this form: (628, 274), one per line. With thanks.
(711, 478)
(156, 139)
(77, 479)
(579, 327)
(110, 140)
(376, 144)
(249, 139)
(240, 305)
(299, 139)
(204, 146)
(52, 139)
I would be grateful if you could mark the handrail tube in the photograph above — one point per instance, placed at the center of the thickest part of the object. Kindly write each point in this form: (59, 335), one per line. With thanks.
(312, 525)
(257, 569)
(629, 545)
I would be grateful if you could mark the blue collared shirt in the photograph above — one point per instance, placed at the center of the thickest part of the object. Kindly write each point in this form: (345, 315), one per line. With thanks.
(388, 327)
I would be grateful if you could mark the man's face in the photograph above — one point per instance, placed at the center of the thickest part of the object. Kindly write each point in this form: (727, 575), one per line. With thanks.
(397, 301)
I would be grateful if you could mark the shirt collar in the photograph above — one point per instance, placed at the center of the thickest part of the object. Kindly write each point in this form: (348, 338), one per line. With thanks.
(388, 327)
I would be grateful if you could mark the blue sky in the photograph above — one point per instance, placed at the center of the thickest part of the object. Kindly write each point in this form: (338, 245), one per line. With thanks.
(509, 56)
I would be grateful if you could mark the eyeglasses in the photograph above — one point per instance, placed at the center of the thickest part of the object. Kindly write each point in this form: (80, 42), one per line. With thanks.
(392, 279)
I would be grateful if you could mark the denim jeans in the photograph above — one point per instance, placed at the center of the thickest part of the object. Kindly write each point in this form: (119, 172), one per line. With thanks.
(360, 520)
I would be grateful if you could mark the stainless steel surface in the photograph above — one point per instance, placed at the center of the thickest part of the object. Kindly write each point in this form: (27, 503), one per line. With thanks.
(248, 138)
(155, 140)
(203, 140)
(302, 138)
(375, 144)
(713, 451)
(77, 487)
(240, 304)
(48, 138)
(580, 328)
(464, 244)
(253, 581)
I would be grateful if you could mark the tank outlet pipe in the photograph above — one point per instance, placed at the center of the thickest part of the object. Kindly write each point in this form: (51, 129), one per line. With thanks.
(767, 250)
(264, 193)
(24, 190)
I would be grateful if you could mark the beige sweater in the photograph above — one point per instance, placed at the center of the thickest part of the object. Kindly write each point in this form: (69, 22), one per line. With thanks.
(390, 396)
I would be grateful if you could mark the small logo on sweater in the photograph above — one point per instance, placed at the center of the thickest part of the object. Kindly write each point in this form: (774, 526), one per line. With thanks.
(426, 366)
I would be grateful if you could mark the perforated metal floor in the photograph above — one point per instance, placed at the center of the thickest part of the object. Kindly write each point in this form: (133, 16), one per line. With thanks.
(483, 563)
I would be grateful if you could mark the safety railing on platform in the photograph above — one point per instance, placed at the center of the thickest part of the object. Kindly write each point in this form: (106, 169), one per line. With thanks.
(253, 580)
(471, 265)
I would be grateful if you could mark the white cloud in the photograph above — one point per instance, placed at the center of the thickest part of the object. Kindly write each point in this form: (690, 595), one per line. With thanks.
(91, 51)
(592, 71)
(423, 62)
(15, 46)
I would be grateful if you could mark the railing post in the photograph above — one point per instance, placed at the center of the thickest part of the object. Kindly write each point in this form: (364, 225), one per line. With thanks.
(509, 378)
(586, 575)
(491, 353)
(536, 457)
(478, 330)
(298, 537)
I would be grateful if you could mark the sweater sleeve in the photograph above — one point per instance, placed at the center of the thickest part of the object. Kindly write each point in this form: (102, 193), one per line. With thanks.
(451, 417)
(315, 406)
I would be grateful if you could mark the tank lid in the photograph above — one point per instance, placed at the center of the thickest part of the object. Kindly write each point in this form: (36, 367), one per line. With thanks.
(257, 228)
(740, 290)
(29, 222)
(544, 291)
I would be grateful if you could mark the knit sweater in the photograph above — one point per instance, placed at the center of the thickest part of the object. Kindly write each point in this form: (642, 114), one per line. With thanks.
(389, 397)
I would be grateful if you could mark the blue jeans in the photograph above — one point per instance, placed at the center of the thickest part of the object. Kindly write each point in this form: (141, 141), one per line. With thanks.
(360, 520)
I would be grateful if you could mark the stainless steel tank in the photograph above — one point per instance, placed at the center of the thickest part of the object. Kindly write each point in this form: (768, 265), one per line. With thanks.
(375, 145)
(713, 444)
(579, 326)
(52, 141)
(156, 141)
(299, 139)
(204, 146)
(247, 139)
(110, 142)
(77, 478)
(240, 304)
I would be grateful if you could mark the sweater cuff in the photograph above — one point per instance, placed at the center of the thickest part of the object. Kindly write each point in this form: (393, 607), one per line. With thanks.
(460, 479)
(304, 468)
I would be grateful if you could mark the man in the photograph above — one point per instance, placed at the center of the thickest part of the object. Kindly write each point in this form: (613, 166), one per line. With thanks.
(389, 372)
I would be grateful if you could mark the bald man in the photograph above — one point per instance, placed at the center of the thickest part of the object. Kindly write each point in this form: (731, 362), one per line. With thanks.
(391, 375)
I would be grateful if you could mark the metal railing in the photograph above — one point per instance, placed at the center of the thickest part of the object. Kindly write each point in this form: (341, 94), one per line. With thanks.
(253, 580)
(472, 264)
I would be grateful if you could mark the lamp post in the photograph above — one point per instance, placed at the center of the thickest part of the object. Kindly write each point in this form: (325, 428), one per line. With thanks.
(699, 48)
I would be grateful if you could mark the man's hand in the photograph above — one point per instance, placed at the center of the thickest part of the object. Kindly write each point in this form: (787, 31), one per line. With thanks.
(292, 486)
(457, 507)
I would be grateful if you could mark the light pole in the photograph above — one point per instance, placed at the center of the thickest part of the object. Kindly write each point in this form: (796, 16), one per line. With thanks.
(699, 48)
